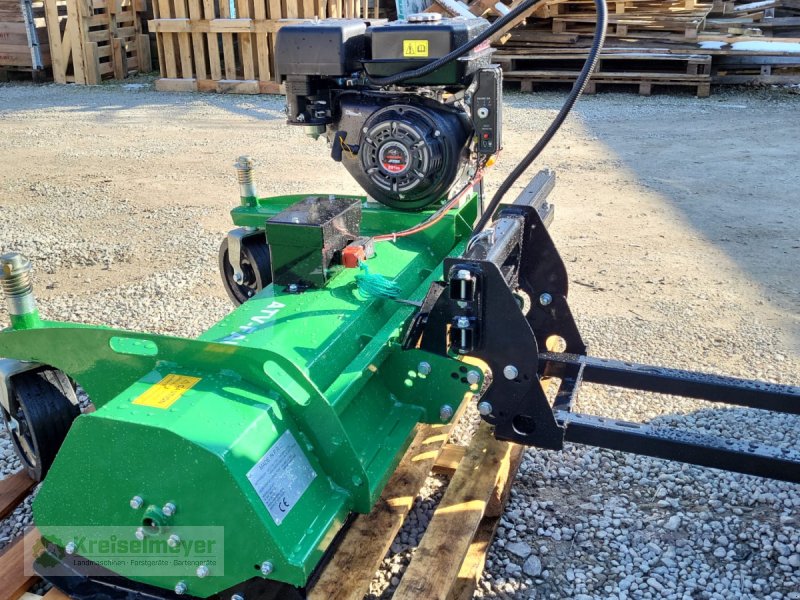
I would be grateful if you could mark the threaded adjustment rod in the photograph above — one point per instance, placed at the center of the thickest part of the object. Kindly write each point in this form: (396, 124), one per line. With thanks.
(17, 286)
(244, 166)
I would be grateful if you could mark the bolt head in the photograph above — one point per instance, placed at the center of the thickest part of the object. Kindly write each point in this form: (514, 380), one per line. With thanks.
(473, 377)
(202, 571)
(510, 372)
(545, 299)
(485, 409)
(424, 368)
(168, 509)
(462, 322)
(139, 534)
(244, 162)
(463, 274)
(238, 278)
(70, 548)
(446, 412)
(266, 567)
(180, 588)
(173, 541)
(137, 502)
(237, 597)
(292, 288)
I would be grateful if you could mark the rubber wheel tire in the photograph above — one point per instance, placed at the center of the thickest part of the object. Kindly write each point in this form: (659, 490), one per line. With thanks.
(256, 266)
(43, 405)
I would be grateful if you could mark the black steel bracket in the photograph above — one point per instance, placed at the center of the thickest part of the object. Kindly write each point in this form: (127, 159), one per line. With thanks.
(504, 301)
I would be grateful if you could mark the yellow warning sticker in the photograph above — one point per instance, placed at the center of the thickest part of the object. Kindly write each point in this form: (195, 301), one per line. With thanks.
(415, 48)
(167, 391)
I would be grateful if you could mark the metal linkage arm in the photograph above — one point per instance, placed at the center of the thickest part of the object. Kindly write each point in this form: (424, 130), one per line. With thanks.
(671, 443)
(689, 384)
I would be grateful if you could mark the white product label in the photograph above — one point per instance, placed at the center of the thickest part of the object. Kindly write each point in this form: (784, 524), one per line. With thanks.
(281, 476)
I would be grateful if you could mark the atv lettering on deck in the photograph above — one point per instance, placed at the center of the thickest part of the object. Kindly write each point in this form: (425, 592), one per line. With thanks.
(253, 324)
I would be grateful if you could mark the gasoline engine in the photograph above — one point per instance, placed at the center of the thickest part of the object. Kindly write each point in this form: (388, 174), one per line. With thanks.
(230, 466)
(407, 146)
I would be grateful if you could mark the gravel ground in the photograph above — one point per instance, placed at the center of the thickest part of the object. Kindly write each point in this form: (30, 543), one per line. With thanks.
(677, 218)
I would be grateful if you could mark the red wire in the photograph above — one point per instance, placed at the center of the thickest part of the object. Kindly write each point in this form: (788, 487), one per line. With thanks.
(429, 223)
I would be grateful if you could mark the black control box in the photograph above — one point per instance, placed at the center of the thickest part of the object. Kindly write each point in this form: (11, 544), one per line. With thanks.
(487, 109)
(306, 239)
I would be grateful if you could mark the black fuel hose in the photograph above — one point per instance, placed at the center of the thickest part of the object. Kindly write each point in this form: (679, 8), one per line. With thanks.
(574, 94)
(458, 52)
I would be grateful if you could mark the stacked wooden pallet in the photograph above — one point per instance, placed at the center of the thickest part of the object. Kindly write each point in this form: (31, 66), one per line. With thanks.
(82, 41)
(659, 42)
(23, 38)
(644, 70)
(223, 46)
(99, 39)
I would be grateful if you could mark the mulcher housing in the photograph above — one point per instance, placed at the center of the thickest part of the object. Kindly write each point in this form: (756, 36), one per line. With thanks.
(275, 425)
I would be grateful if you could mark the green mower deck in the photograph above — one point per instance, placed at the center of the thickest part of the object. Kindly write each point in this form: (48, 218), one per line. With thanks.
(264, 434)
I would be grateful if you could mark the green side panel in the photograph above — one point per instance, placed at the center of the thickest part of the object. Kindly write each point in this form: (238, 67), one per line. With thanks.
(195, 454)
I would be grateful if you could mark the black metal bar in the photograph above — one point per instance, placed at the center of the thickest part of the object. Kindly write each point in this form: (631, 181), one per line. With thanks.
(670, 443)
(568, 390)
(689, 384)
(535, 194)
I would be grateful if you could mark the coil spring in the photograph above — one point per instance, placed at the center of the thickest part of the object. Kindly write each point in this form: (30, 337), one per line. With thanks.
(244, 170)
(16, 275)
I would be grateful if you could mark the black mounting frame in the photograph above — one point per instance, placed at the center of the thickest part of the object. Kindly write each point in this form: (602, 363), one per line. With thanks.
(505, 302)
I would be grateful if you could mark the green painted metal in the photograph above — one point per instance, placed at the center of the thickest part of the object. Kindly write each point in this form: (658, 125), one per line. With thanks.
(26, 321)
(324, 365)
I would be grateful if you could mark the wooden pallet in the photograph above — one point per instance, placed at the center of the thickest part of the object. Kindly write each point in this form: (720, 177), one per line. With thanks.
(637, 63)
(92, 40)
(632, 25)
(206, 46)
(23, 38)
(449, 559)
(644, 82)
(626, 7)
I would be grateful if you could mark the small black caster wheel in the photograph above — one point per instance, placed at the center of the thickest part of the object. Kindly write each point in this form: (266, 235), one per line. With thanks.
(255, 264)
(42, 408)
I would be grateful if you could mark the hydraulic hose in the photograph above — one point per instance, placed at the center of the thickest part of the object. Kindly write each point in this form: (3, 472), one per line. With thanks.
(461, 50)
(577, 90)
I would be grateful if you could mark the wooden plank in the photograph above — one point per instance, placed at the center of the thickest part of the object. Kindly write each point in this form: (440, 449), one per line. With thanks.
(262, 42)
(143, 58)
(213, 43)
(290, 9)
(169, 65)
(198, 45)
(119, 59)
(227, 44)
(444, 546)
(218, 25)
(348, 575)
(16, 566)
(449, 459)
(176, 85)
(245, 42)
(184, 41)
(13, 490)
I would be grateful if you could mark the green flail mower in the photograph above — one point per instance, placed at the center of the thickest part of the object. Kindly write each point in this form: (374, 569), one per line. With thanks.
(226, 466)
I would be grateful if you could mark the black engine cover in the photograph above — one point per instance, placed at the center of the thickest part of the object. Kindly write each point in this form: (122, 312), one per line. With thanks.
(405, 152)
